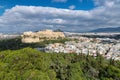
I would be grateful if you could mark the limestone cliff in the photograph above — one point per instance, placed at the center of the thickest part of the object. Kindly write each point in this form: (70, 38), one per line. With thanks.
(34, 37)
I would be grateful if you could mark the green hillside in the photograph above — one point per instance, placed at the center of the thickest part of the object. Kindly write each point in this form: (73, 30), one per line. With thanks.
(30, 64)
(15, 44)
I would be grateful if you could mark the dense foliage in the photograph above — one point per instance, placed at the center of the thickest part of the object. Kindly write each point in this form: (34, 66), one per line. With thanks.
(16, 43)
(30, 64)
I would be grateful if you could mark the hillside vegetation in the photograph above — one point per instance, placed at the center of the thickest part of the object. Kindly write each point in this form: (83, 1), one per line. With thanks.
(30, 64)
(13, 44)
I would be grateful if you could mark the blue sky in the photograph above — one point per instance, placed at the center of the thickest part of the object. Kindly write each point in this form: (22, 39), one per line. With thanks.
(68, 15)
(65, 4)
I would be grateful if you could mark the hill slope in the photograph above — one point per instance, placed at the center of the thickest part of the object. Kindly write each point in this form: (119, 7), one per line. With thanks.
(107, 30)
(31, 64)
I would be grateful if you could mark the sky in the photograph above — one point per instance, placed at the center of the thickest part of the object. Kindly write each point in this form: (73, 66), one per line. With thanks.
(67, 15)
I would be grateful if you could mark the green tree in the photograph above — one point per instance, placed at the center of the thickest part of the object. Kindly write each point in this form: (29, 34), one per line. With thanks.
(35, 75)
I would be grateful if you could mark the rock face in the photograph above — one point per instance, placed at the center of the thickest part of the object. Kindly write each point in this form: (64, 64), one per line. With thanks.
(34, 37)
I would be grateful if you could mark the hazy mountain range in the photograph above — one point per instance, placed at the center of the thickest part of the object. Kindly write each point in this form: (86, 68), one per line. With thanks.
(107, 30)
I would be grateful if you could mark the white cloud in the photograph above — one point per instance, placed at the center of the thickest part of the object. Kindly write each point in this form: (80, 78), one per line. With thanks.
(22, 18)
(106, 2)
(72, 7)
(98, 2)
(109, 4)
(59, 0)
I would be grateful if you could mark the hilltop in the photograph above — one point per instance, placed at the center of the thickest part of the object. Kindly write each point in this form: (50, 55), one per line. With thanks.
(34, 37)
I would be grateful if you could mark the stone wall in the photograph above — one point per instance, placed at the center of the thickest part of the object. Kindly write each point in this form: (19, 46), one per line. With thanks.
(34, 37)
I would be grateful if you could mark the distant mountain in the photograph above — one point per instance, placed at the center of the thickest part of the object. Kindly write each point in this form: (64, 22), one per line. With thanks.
(107, 30)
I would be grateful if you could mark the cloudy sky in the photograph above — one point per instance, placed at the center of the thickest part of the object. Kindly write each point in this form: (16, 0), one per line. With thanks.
(67, 15)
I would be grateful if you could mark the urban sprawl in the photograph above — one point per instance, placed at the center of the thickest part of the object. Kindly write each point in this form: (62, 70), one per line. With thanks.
(78, 44)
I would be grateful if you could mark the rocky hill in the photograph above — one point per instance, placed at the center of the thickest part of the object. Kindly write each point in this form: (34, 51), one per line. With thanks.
(34, 37)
